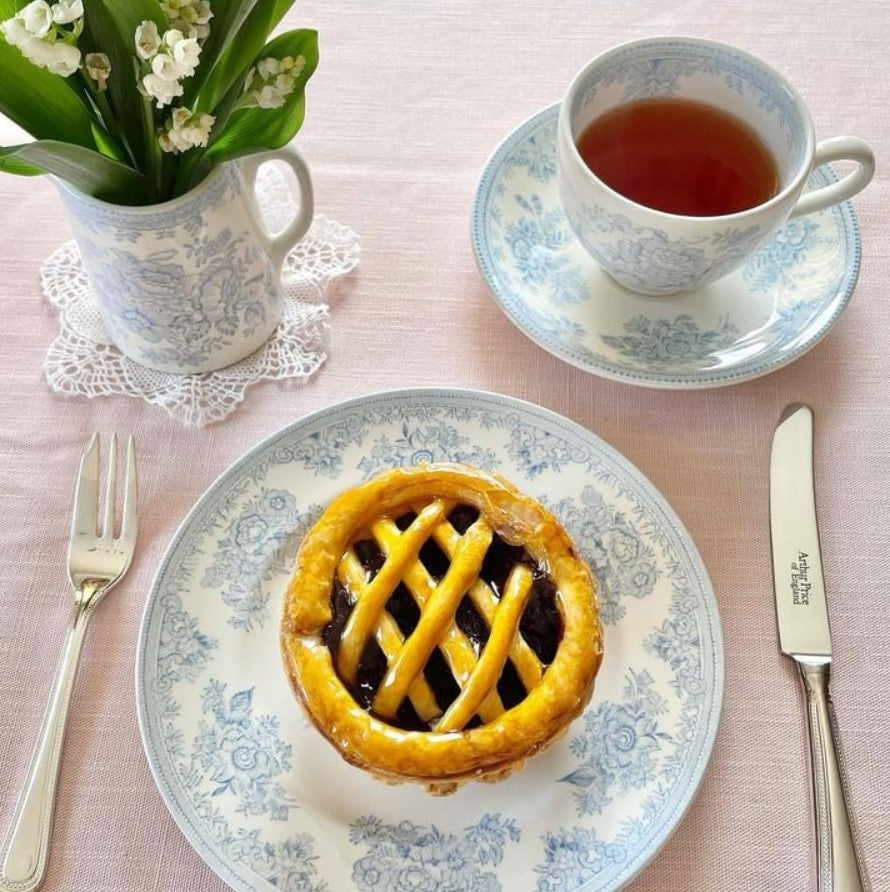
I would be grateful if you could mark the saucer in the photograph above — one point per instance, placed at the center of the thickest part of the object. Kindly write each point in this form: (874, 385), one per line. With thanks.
(757, 319)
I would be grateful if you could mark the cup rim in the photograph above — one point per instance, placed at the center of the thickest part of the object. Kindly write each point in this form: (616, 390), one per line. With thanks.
(143, 209)
(564, 128)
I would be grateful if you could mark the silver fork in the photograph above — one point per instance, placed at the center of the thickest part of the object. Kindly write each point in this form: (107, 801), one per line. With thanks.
(95, 564)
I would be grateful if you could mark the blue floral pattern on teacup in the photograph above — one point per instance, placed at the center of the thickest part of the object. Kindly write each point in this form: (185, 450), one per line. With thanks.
(649, 260)
(659, 253)
(665, 67)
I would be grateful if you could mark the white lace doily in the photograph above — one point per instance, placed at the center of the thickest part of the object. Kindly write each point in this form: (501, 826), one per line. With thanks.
(82, 361)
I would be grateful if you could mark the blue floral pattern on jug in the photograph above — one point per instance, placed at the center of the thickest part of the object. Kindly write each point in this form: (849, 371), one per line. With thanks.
(407, 857)
(224, 742)
(564, 302)
(181, 286)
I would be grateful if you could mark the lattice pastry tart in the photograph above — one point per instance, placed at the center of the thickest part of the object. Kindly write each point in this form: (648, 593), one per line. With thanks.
(439, 626)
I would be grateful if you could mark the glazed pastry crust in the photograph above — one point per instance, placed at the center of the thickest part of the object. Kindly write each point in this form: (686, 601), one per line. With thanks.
(441, 760)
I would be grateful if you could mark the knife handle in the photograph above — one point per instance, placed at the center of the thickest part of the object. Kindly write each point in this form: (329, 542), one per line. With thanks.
(838, 863)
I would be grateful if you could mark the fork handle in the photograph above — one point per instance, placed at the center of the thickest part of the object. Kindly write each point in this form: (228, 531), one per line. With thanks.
(26, 847)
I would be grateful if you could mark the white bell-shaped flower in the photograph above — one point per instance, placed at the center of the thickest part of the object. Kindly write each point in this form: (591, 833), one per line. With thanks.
(67, 11)
(148, 40)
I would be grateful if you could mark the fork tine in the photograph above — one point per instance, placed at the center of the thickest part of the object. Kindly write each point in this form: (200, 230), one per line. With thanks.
(110, 489)
(130, 524)
(86, 495)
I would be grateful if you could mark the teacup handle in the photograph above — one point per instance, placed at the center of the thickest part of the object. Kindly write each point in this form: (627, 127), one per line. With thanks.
(838, 148)
(279, 245)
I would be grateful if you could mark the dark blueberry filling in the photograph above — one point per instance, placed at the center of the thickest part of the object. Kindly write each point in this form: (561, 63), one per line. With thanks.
(541, 623)
(403, 609)
(540, 626)
(471, 623)
(441, 680)
(463, 517)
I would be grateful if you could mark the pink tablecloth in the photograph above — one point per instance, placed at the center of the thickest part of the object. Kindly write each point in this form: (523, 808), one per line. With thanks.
(407, 103)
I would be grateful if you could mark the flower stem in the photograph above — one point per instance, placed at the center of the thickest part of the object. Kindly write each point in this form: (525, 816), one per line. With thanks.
(116, 136)
(152, 151)
(184, 170)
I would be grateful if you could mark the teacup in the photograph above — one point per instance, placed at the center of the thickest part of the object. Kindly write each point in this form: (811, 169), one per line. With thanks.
(655, 252)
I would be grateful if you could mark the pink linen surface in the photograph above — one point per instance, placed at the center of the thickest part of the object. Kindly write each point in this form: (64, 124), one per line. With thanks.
(408, 102)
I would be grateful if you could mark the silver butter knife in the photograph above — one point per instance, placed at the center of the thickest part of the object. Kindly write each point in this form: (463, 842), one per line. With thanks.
(802, 614)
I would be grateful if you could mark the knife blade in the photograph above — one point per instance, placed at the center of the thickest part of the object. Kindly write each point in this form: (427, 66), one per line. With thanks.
(804, 635)
(801, 608)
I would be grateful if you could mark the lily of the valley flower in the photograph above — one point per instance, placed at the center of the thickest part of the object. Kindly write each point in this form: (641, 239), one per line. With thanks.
(162, 90)
(172, 57)
(148, 40)
(186, 51)
(98, 67)
(271, 82)
(36, 30)
(67, 11)
(58, 58)
(183, 130)
(165, 67)
(191, 17)
(37, 17)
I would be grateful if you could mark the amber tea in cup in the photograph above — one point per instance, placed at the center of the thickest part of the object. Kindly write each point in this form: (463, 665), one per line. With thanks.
(680, 156)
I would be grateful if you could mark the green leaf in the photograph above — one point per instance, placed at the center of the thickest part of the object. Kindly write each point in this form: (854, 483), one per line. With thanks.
(228, 19)
(8, 8)
(110, 28)
(19, 167)
(44, 104)
(85, 169)
(230, 60)
(106, 145)
(250, 130)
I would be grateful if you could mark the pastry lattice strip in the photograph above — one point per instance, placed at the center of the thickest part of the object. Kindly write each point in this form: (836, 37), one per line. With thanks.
(476, 676)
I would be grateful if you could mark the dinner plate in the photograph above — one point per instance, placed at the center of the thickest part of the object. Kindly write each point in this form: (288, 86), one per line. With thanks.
(757, 319)
(268, 803)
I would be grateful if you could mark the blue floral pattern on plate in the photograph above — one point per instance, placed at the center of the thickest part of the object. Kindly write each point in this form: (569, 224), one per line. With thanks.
(405, 857)
(735, 329)
(266, 801)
